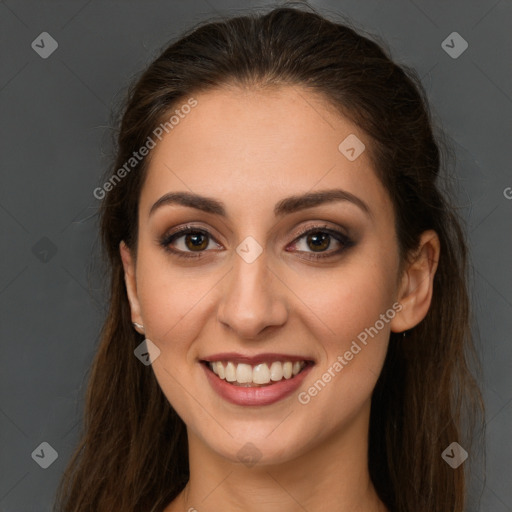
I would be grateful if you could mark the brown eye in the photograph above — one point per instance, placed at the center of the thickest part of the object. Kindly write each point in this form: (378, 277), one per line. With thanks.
(187, 241)
(318, 241)
(313, 243)
(196, 241)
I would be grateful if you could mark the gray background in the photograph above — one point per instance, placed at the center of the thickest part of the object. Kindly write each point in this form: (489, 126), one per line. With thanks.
(55, 116)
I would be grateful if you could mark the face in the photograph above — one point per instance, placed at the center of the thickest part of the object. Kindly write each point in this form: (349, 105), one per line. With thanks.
(270, 270)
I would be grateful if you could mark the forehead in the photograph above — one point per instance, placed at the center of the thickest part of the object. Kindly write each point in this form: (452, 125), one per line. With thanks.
(258, 145)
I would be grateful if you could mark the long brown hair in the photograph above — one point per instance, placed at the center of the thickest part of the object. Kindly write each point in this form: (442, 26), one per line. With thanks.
(132, 455)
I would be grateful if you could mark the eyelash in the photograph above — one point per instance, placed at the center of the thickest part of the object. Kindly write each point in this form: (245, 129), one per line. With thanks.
(343, 239)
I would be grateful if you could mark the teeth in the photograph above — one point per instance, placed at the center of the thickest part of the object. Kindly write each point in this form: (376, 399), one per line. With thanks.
(244, 373)
(276, 371)
(219, 370)
(260, 374)
(230, 371)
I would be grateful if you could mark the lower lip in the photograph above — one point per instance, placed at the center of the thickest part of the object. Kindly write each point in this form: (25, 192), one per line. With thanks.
(264, 395)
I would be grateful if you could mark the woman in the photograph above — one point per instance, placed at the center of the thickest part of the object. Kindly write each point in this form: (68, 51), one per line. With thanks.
(289, 316)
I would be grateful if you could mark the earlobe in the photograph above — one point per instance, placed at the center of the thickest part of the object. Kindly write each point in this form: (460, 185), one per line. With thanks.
(417, 286)
(131, 285)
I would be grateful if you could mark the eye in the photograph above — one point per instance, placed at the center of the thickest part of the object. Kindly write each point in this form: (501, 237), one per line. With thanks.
(192, 242)
(188, 240)
(315, 242)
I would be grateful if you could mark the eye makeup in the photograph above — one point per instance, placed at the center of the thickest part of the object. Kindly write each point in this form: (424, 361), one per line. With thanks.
(197, 236)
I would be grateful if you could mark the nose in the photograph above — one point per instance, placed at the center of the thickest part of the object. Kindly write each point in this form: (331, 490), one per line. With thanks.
(253, 299)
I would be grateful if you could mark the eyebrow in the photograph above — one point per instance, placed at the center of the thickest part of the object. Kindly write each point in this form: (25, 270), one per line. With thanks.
(286, 206)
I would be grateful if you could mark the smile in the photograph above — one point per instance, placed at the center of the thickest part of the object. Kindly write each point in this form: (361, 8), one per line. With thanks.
(258, 375)
(255, 381)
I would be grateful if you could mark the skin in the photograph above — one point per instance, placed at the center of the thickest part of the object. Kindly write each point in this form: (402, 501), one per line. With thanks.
(250, 148)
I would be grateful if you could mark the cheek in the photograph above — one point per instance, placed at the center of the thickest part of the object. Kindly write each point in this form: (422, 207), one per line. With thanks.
(354, 351)
(348, 299)
(171, 299)
(350, 302)
(174, 305)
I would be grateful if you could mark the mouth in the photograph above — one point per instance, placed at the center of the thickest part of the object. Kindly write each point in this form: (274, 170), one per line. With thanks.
(261, 374)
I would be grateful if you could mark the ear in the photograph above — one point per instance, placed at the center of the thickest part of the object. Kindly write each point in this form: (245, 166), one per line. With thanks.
(131, 284)
(417, 283)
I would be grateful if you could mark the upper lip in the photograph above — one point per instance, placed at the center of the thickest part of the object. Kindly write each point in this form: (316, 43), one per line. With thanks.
(236, 357)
